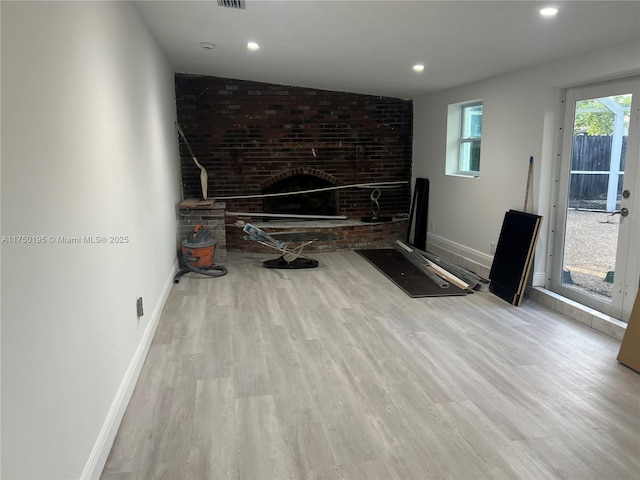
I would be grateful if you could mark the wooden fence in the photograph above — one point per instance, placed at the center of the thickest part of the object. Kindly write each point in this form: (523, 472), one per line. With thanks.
(590, 165)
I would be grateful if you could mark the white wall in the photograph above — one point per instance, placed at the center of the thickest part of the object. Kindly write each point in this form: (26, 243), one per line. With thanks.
(88, 148)
(522, 115)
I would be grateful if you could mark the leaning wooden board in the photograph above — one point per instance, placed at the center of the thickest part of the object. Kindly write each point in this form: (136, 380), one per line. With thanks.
(630, 349)
(397, 268)
(514, 255)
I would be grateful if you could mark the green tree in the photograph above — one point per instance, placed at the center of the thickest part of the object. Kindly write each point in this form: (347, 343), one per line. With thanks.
(594, 118)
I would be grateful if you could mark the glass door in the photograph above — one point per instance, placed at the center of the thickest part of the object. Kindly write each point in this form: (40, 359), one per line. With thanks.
(597, 231)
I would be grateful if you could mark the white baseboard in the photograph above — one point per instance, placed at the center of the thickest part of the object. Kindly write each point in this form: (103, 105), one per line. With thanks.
(469, 258)
(100, 452)
(462, 255)
(538, 279)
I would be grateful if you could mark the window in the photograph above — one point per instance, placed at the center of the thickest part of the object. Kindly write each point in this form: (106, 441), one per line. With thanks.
(464, 135)
(471, 133)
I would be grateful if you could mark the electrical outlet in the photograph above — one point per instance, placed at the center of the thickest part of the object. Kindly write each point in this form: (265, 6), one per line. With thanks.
(492, 247)
(433, 226)
(139, 308)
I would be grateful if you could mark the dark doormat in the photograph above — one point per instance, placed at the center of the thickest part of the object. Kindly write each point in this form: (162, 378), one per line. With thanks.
(406, 275)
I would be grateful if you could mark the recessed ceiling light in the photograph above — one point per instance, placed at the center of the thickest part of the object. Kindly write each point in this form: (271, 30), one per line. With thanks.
(418, 67)
(253, 46)
(207, 45)
(549, 11)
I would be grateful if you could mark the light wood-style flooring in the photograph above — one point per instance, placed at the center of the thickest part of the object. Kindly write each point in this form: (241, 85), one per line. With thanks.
(334, 372)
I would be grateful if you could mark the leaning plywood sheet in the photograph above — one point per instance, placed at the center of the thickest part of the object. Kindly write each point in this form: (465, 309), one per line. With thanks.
(395, 266)
(630, 349)
(419, 213)
(514, 255)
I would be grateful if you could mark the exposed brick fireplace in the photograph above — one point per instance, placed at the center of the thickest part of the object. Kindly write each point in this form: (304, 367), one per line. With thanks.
(256, 138)
(324, 202)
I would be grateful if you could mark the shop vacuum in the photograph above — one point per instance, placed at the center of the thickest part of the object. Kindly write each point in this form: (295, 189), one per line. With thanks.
(196, 255)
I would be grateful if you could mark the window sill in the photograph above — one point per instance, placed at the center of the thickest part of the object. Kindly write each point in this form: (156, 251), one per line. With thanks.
(464, 175)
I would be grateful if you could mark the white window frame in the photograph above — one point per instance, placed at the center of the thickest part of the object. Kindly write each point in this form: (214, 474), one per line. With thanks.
(456, 141)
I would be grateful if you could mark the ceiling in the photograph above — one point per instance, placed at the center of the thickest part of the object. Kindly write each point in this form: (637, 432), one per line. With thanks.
(370, 46)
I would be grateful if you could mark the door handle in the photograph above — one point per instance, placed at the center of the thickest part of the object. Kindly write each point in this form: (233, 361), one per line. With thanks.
(623, 212)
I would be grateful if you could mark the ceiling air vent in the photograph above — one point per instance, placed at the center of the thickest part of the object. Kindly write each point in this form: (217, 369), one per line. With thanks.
(232, 4)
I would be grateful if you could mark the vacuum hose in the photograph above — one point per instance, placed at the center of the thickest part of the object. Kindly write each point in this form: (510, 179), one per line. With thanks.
(212, 271)
(209, 271)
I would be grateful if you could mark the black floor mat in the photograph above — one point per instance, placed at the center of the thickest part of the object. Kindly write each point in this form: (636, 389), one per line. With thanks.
(405, 274)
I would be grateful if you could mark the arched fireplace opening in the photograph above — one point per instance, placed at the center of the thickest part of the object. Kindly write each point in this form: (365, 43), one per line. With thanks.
(317, 203)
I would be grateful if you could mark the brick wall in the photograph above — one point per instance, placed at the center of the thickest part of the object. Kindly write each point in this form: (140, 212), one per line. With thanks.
(246, 134)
